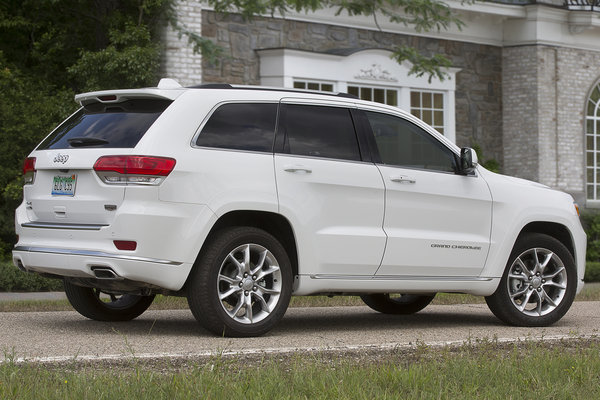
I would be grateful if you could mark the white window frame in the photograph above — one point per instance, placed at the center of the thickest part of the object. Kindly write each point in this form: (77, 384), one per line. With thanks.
(317, 82)
(593, 200)
(371, 68)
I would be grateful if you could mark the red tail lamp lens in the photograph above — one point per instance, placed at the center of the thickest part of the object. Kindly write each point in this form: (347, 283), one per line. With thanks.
(136, 165)
(129, 245)
(29, 170)
(29, 165)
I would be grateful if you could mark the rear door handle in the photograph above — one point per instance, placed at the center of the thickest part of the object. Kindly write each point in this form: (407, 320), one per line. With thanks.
(403, 179)
(297, 168)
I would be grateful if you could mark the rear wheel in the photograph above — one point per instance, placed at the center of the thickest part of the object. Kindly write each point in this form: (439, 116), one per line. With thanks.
(242, 283)
(538, 285)
(95, 304)
(389, 303)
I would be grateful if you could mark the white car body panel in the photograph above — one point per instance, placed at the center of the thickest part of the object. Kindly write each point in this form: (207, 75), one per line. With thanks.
(437, 226)
(318, 205)
(336, 211)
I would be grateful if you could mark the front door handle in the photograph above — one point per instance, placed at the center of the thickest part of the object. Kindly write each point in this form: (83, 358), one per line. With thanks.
(403, 179)
(297, 168)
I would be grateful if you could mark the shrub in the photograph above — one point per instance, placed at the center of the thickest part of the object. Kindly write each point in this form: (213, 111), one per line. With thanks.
(592, 271)
(13, 279)
(591, 225)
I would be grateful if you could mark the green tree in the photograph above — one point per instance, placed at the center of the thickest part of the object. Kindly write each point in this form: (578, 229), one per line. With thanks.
(52, 49)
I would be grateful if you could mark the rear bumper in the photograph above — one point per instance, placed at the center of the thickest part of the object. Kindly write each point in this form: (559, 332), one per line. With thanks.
(169, 237)
(75, 263)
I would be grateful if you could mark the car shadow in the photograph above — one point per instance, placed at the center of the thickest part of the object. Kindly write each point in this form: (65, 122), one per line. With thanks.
(307, 321)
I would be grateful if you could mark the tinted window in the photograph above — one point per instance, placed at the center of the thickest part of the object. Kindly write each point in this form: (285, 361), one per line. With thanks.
(241, 127)
(402, 143)
(320, 132)
(116, 125)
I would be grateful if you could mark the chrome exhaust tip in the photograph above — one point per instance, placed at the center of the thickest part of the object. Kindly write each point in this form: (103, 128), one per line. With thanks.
(105, 273)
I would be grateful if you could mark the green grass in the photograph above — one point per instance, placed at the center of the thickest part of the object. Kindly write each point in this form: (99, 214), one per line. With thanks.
(568, 370)
(591, 292)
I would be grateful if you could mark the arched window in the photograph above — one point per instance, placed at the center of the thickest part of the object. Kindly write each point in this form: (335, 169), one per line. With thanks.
(592, 136)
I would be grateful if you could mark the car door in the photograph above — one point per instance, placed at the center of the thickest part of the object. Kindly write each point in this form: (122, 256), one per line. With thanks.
(438, 222)
(332, 195)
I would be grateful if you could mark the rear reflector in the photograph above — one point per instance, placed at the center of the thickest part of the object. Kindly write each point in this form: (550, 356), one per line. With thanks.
(29, 170)
(129, 245)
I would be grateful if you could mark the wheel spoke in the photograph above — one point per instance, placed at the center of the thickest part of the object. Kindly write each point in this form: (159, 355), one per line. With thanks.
(519, 293)
(549, 299)
(260, 263)
(236, 309)
(552, 276)
(247, 259)
(525, 301)
(264, 290)
(521, 264)
(554, 284)
(537, 261)
(521, 276)
(248, 307)
(263, 273)
(263, 304)
(240, 267)
(544, 264)
(540, 300)
(229, 292)
(229, 280)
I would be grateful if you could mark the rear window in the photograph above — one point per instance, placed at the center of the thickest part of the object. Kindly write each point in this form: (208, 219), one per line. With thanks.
(97, 125)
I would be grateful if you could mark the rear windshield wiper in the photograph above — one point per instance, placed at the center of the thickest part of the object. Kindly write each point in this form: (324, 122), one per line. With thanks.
(86, 141)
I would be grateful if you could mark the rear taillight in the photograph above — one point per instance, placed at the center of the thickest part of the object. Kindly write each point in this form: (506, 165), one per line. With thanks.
(29, 170)
(133, 170)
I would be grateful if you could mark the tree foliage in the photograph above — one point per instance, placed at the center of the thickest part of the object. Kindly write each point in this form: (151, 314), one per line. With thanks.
(52, 49)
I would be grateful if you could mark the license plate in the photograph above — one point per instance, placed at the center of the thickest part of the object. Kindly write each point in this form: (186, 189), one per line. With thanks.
(64, 185)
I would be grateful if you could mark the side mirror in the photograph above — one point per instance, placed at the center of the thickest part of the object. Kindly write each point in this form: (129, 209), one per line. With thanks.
(468, 160)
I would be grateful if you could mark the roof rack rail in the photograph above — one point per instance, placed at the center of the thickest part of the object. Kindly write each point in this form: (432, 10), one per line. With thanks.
(270, 89)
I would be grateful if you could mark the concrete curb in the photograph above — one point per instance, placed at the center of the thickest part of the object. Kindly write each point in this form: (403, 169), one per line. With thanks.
(24, 296)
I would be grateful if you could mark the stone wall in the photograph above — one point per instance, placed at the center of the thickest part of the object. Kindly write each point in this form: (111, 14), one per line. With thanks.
(478, 86)
(545, 94)
(178, 58)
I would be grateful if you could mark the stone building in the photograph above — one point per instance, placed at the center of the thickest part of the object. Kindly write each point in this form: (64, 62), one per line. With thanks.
(524, 85)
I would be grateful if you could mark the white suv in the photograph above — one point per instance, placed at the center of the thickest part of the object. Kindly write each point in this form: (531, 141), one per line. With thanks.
(239, 197)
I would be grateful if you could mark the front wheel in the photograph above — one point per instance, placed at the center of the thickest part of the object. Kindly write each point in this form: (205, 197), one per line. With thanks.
(401, 304)
(242, 283)
(97, 305)
(538, 285)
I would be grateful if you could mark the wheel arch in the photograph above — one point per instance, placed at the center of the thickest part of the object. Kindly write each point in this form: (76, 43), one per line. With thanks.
(273, 223)
(553, 229)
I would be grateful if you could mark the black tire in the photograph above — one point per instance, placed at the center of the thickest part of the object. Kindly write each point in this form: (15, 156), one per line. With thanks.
(535, 294)
(400, 304)
(88, 303)
(223, 294)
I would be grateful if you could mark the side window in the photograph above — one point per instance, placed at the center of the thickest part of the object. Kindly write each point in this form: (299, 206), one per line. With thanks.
(402, 143)
(240, 126)
(320, 131)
